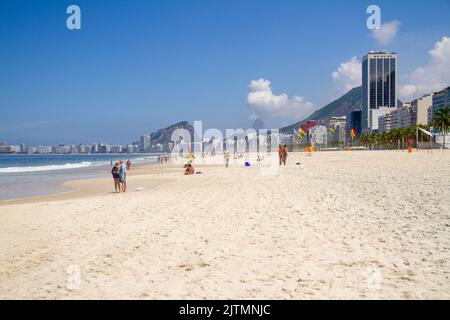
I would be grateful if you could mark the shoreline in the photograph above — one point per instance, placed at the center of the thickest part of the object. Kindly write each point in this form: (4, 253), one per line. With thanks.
(91, 187)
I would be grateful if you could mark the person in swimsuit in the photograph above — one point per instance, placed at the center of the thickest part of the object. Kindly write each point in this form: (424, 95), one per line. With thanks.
(189, 170)
(116, 177)
(128, 164)
(227, 159)
(280, 154)
(285, 154)
(123, 175)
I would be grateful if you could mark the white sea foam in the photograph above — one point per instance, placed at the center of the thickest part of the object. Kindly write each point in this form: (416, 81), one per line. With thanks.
(49, 167)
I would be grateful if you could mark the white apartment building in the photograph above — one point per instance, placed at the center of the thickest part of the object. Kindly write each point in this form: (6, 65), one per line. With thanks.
(421, 108)
(317, 135)
(375, 114)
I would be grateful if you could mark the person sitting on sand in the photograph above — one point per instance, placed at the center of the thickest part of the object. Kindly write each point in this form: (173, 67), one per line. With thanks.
(123, 176)
(116, 176)
(189, 169)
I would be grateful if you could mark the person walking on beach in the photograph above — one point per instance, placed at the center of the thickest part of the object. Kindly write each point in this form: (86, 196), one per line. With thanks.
(284, 154)
(227, 159)
(116, 177)
(280, 154)
(128, 164)
(123, 176)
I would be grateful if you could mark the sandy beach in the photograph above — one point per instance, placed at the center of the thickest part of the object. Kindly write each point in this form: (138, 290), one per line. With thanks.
(341, 225)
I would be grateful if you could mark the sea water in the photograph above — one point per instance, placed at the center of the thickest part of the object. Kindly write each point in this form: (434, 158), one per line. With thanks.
(34, 175)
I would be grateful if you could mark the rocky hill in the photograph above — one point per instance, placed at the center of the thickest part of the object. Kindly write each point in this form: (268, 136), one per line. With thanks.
(340, 107)
(163, 135)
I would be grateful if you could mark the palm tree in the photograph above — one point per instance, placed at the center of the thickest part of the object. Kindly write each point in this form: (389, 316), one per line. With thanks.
(442, 121)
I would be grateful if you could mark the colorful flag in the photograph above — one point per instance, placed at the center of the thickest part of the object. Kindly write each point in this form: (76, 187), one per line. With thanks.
(353, 132)
(332, 130)
(300, 133)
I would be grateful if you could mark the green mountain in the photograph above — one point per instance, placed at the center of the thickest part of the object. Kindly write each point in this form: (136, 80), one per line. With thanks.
(340, 107)
(163, 136)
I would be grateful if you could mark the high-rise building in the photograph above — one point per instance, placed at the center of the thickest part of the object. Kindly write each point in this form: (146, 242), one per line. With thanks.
(338, 124)
(420, 110)
(379, 86)
(354, 122)
(145, 143)
(441, 99)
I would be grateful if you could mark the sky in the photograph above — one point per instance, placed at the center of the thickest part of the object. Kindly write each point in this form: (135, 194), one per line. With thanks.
(136, 66)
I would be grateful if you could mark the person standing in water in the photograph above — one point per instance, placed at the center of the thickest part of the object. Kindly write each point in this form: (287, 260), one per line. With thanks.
(123, 176)
(116, 177)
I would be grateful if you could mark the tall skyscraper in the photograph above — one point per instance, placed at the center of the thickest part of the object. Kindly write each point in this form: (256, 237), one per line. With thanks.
(145, 143)
(379, 85)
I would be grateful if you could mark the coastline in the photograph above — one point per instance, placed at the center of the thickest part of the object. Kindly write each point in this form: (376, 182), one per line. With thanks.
(341, 225)
(83, 188)
(23, 178)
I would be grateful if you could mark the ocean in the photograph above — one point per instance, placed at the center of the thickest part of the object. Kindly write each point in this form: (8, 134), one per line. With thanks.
(34, 175)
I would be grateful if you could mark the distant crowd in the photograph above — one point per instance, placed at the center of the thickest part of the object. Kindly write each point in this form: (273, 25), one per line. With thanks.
(119, 170)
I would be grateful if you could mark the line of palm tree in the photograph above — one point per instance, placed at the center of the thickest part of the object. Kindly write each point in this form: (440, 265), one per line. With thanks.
(389, 138)
(442, 121)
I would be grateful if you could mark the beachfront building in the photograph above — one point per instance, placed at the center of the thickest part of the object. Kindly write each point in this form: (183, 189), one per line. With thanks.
(59, 149)
(317, 135)
(104, 148)
(145, 143)
(44, 149)
(95, 148)
(338, 124)
(409, 114)
(440, 99)
(84, 149)
(32, 150)
(117, 149)
(4, 148)
(379, 87)
(354, 122)
(402, 117)
(420, 109)
(374, 117)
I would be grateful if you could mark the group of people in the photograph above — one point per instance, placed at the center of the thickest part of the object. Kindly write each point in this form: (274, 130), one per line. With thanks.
(282, 154)
(119, 173)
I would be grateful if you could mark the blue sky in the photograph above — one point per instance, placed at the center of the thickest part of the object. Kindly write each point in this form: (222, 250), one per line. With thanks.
(136, 66)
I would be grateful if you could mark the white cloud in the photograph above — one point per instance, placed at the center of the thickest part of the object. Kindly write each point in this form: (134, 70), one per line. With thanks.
(434, 76)
(263, 100)
(387, 33)
(347, 76)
